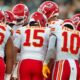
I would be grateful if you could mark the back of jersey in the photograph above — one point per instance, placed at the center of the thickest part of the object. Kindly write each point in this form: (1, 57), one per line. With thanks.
(67, 43)
(34, 43)
(4, 35)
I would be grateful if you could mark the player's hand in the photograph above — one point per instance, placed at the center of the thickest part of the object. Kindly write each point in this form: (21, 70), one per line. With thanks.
(45, 71)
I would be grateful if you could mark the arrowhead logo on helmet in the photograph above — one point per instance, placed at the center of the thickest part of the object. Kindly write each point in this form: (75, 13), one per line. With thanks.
(76, 20)
(49, 8)
(9, 17)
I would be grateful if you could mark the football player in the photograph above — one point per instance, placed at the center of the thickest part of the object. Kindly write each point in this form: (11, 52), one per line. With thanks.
(6, 48)
(67, 52)
(21, 13)
(32, 41)
(76, 19)
(51, 10)
(10, 22)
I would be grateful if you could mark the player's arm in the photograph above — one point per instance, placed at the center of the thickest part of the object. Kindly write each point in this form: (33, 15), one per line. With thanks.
(9, 57)
(50, 52)
(51, 49)
(17, 43)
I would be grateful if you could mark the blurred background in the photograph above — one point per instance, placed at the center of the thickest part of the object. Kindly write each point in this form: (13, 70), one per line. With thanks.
(67, 7)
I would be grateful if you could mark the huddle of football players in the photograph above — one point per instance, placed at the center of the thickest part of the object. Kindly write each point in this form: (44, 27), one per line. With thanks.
(39, 46)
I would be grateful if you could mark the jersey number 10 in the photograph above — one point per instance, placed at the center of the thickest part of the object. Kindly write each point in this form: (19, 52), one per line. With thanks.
(71, 49)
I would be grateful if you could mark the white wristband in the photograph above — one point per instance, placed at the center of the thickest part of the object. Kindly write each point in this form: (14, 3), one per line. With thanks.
(44, 63)
(7, 76)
